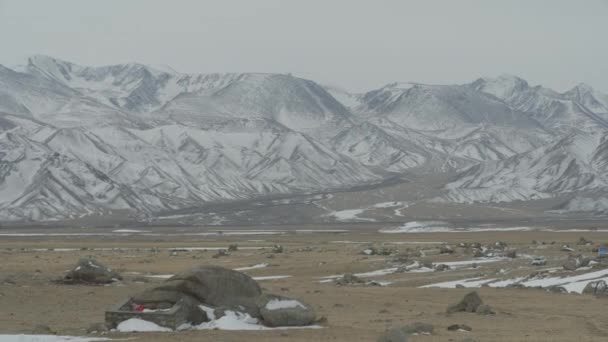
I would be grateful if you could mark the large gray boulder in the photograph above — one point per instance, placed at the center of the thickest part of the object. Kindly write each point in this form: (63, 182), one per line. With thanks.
(469, 303)
(393, 335)
(282, 311)
(90, 271)
(212, 285)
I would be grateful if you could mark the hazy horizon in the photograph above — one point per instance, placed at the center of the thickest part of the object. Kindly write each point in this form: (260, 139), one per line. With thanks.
(356, 46)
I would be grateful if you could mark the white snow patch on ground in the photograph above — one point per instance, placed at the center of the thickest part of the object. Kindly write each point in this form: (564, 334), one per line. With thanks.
(384, 205)
(240, 321)
(277, 304)
(573, 284)
(48, 338)
(262, 265)
(419, 227)
(350, 215)
(139, 325)
(130, 231)
(470, 282)
(271, 277)
(445, 227)
(159, 276)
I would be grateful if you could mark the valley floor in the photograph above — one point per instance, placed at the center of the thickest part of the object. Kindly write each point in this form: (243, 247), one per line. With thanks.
(32, 259)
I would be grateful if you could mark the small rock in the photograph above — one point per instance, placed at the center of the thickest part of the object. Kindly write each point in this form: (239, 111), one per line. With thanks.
(9, 281)
(393, 335)
(584, 242)
(567, 248)
(459, 327)
(42, 329)
(418, 328)
(485, 309)
(98, 328)
(469, 303)
(277, 249)
(442, 267)
(446, 249)
(233, 247)
(283, 311)
(539, 261)
(349, 279)
(220, 253)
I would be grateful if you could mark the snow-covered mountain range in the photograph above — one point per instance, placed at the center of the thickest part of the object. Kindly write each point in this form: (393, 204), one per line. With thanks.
(78, 140)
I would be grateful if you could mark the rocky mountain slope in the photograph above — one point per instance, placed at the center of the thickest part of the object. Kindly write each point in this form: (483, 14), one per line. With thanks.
(77, 140)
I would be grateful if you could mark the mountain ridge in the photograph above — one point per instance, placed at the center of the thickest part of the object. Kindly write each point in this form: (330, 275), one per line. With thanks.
(78, 140)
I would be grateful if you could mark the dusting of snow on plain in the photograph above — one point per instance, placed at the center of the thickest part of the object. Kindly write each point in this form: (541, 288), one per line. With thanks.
(277, 304)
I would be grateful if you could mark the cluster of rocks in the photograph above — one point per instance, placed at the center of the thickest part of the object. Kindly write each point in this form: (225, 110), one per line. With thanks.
(90, 271)
(575, 261)
(223, 289)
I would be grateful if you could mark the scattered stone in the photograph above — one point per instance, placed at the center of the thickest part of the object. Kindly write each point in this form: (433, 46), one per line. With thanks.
(446, 249)
(277, 249)
(349, 279)
(283, 311)
(9, 281)
(584, 242)
(98, 328)
(539, 261)
(459, 327)
(567, 248)
(141, 279)
(469, 303)
(90, 271)
(557, 289)
(220, 253)
(368, 251)
(460, 286)
(511, 254)
(393, 335)
(500, 245)
(42, 329)
(442, 267)
(233, 247)
(418, 328)
(485, 309)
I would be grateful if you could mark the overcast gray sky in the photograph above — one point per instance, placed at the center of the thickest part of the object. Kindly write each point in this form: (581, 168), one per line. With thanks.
(356, 44)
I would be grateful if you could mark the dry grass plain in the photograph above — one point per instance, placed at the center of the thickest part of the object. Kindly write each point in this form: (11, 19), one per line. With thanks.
(353, 313)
